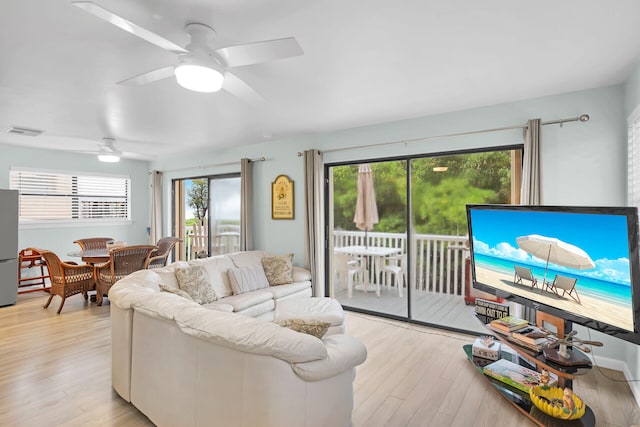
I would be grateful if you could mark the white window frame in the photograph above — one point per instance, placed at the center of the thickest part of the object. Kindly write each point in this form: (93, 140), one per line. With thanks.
(75, 222)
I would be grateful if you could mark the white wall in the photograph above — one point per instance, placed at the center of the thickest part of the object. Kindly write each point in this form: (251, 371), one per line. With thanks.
(60, 239)
(583, 163)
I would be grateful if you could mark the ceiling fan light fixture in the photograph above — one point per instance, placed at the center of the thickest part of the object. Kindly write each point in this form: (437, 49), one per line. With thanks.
(108, 152)
(109, 158)
(197, 75)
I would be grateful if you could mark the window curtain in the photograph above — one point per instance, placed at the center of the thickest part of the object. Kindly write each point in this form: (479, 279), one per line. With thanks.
(246, 205)
(530, 191)
(155, 227)
(313, 252)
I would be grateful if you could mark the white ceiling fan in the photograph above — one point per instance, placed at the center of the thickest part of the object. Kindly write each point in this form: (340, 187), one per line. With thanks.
(108, 152)
(199, 67)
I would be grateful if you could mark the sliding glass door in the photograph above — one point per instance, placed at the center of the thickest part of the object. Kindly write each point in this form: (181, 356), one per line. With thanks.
(368, 214)
(207, 215)
(412, 261)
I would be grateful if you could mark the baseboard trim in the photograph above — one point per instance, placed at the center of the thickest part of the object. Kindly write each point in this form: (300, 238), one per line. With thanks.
(619, 365)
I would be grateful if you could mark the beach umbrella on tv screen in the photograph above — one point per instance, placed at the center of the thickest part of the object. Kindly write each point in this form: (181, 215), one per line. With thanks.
(366, 215)
(555, 251)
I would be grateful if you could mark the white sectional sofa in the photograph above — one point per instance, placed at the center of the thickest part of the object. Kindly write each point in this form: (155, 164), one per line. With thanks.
(225, 363)
(260, 303)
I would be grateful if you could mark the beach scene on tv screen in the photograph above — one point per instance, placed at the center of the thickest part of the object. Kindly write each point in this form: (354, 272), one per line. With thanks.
(577, 262)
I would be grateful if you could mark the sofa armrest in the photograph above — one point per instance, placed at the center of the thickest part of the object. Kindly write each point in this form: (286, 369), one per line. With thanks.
(301, 274)
(343, 353)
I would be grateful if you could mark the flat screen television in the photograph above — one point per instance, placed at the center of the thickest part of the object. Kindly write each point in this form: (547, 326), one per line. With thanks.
(577, 263)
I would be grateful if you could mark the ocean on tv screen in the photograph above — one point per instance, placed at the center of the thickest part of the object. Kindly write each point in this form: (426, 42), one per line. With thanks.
(591, 248)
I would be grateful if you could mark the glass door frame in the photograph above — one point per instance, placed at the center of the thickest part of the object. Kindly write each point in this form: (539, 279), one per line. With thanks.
(328, 219)
(174, 229)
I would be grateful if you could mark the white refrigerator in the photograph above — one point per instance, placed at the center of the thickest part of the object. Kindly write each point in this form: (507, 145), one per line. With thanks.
(8, 247)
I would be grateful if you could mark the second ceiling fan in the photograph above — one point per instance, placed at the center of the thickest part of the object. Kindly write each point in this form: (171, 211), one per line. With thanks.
(199, 67)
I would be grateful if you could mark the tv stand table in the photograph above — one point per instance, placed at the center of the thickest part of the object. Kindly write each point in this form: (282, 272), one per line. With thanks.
(520, 399)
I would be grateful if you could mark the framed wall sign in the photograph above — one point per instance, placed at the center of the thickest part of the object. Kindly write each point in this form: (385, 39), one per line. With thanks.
(282, 204)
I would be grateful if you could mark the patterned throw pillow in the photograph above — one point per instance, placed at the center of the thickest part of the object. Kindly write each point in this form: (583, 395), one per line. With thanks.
(194, 280)
(247, 279)
(179, 292)
(311, 327)
(278, 269)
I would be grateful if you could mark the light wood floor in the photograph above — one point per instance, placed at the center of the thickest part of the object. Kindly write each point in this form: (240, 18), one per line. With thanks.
(55, 371)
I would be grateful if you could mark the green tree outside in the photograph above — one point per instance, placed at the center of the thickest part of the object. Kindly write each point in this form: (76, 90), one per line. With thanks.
(198, 197)
(438, 198)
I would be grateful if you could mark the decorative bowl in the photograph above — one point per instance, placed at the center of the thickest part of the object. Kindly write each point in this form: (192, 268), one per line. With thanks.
(549, 401)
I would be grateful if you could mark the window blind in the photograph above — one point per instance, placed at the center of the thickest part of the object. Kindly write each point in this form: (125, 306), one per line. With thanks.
(46, 196)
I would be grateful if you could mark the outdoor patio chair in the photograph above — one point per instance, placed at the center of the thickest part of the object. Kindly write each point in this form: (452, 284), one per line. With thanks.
(396, 266)
(67, 278)
(159, 257)
(345, 264)
(122, 262)
(200, 240)
(94, 242)
(524, 273)
(567, 284)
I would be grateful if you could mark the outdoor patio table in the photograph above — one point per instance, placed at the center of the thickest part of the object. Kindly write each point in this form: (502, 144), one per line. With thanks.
(375, 253)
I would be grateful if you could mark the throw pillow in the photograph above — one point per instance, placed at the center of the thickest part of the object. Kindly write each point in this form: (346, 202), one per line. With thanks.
(278, 269)
(247, 279)
(177, 291)
(316, 328)
(194, 280)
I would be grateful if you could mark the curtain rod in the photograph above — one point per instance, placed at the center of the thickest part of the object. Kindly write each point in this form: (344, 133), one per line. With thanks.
(580, 118)
(257, 159)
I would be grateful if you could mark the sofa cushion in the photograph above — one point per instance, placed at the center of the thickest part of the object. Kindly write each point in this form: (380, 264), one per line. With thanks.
(177, 291)
(247, 258)
(194, 280)
(242, 301)
(168, 273)
(217, 268)
(257, 311)
(247, 279)
(249, 335)
(317, 328)
(219, 306)
(301, 274)
(288, 289)
(278, 269)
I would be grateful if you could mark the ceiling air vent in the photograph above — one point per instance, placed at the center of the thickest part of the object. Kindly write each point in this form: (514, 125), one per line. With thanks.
(24, 131)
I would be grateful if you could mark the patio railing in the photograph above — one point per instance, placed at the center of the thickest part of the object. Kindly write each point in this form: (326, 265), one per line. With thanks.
(438, 261)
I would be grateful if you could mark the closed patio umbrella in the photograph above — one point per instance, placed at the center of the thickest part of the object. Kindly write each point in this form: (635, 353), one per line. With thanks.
(555, 251)
(366, 215)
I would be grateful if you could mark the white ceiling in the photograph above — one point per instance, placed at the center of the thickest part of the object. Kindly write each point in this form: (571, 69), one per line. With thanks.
(364, 62)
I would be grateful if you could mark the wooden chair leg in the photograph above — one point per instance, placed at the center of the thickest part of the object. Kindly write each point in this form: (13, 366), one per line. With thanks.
(61, 304)
(48, 301)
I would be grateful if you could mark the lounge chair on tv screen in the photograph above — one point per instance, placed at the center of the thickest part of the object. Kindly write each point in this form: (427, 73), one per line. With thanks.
(566, 284)
(524, 273)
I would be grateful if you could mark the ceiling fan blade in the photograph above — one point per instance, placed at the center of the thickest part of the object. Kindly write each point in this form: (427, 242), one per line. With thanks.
(254, 53)
(129, 26)
(150, 77)
(240, 89)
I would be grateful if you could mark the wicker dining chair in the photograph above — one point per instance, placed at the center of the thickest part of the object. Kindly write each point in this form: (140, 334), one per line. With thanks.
(67, 278)
(94, 242)
(122, 262)
(165, 246)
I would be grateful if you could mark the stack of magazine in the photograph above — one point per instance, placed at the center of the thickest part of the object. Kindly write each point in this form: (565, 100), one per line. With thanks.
(531, 338)
(519, 332)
